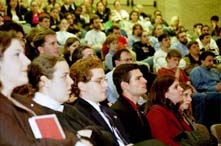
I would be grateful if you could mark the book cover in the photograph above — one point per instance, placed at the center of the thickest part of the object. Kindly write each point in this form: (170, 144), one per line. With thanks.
(46, 126)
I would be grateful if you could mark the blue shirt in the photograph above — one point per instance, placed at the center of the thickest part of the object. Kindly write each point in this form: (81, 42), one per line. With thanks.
(204, 79)
(181, 48)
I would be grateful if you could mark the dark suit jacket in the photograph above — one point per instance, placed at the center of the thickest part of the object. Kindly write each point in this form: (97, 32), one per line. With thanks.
(15, 129)
(136, 127)
(72, 121)
(88, 110)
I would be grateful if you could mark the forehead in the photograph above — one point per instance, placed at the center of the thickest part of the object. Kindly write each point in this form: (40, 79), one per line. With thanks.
(14, 46)
(50, 38)
(125, 55)
(61, 67)
(97, 73)
(209, 58)
(135, 73)
(176, 82)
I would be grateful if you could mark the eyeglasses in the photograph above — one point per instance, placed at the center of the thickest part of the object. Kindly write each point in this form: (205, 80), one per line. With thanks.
(99, 81)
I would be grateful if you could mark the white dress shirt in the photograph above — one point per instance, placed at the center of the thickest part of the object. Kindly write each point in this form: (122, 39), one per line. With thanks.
(48, 102)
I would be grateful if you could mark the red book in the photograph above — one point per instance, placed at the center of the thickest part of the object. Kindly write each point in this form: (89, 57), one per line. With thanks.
(46, 126)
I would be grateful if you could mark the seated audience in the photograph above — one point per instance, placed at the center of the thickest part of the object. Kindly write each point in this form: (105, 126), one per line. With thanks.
(112, 43)
(69, 47)
(47, 74)
(62, 35)
(163, 110)
(159, 58)
(14, 126)
(163, 113)
(131, 85)
(192, 59)
(173, 58)
(205, 77)
(90, 87)
(82, 52)
(45, 42)
(122, 56)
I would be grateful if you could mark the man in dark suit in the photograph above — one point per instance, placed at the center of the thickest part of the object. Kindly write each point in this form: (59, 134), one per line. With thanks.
(131, 85)
(90, 86)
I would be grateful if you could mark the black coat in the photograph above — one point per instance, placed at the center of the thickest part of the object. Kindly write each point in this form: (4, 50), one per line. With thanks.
(136, 127)
(72, 121)
(91, 113)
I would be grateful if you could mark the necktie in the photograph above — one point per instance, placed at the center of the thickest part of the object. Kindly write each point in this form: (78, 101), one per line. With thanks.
(104, 111)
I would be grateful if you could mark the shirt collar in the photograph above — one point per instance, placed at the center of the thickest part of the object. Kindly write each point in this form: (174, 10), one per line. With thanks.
(48, 102)
(95, 105)
(135, 106)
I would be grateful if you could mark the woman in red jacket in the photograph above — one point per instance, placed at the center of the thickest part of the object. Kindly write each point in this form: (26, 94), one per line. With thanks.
(162, 110)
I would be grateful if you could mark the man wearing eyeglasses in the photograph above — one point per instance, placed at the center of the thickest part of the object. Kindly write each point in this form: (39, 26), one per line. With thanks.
(90, 87)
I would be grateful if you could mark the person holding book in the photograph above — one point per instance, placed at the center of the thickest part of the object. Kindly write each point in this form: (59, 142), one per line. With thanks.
(49, 76)
(14, 126)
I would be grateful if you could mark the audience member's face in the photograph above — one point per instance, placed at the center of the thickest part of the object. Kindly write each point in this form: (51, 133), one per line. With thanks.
(95, 89)
(137, 84)
(166, 42)
(59, 87)
(34, 6)
(113, 45)
(51, 46)
(97, 24)
(194, 49)
(116, 32)
(158, 31)
(158, 19)
(63, 25)
(54, 13)
(173, 62)
(45, 24)
(206, 30)
(134, 16)
(14, 64)
(125, 57)
(100, 7)
(88, 53)
(198, 29)
(187, 99)
(74, 46)
(144, 37)
(183, 38)
(137, 31)
(206, 40)
(117, 5)
(208, 62)
(174, 92)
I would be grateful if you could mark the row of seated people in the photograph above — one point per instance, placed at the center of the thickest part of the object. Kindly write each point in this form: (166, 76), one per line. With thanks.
(45, 85)
(126, 26)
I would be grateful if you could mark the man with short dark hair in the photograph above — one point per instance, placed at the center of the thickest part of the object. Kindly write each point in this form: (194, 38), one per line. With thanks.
(45, 42)
(205, 77)
(131, 84)
(181, 45)
(44, 22)
(122, 56)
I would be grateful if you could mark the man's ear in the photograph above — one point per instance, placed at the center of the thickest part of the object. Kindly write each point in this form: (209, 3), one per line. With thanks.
(81, 86)
(123, 85)
(44, 82)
